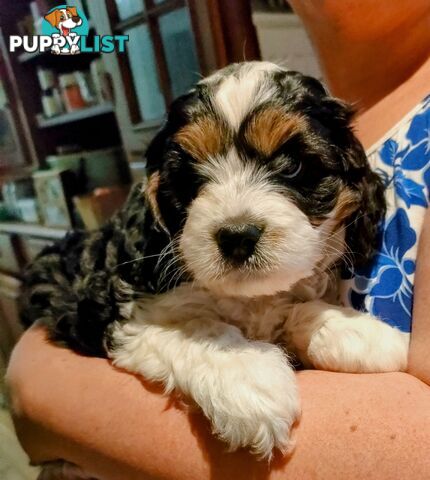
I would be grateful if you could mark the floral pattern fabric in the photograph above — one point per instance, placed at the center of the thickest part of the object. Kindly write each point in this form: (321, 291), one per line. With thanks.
(385, 287)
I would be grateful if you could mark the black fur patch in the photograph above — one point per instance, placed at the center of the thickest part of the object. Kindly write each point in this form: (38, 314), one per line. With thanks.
(76, 286)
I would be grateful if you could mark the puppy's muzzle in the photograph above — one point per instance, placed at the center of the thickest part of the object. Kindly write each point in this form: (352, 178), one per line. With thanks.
(237, 243)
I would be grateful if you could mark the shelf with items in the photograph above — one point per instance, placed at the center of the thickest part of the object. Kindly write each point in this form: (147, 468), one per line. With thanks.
(71, 97)
(53, 105)
(80, 170)
(32, 230)
(75, 116)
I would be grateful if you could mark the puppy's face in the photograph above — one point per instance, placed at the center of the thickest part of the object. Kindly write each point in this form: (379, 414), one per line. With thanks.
(258, 177)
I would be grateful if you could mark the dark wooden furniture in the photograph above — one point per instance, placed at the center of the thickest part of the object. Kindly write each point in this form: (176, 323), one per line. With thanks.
(37, 138)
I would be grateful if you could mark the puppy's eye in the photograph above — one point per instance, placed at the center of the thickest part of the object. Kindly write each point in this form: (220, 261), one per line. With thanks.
(294, 173)
(286, 166)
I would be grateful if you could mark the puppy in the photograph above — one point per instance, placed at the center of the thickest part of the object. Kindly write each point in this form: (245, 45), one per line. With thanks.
(64, 20)
(256, 190)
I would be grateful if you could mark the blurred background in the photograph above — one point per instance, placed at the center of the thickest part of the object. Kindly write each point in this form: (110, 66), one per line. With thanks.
(73, 129)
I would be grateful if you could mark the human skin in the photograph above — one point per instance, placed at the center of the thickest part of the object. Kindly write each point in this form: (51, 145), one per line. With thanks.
(117, 427)
(352, 426)
(367, 49)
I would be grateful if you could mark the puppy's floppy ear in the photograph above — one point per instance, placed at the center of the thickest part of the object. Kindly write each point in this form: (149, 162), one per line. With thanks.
(159, 151)
(155, 159)
(363, 227)
(361, 202)
(73, 11)
(365, 187)
(53, 18)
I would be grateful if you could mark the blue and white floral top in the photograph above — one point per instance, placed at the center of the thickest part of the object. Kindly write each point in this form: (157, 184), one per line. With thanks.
(402, 158)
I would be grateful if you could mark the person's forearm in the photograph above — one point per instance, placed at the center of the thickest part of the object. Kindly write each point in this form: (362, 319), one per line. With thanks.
(111, 423)
(117, 427)
(419, 358)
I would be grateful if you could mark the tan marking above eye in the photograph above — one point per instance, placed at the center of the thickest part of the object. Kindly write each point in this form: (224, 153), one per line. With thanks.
(204, 138)
(270, 128)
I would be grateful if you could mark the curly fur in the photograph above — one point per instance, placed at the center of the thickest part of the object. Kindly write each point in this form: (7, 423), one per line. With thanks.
(256, 149)
(78, 286)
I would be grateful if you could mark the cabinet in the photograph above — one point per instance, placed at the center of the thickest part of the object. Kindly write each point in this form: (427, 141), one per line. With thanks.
(41, 136)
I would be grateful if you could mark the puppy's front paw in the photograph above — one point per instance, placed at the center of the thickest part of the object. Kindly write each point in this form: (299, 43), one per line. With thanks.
(253, 401)
(356, 342)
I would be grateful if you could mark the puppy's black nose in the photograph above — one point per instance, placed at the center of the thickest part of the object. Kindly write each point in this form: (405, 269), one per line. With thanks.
(238, 242)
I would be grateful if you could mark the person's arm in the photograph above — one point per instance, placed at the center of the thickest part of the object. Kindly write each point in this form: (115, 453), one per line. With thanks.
(117, 427)
(375, 55)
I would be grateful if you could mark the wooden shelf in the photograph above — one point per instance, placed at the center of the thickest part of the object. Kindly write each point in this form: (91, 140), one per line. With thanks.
(33, 230)
(75, 116)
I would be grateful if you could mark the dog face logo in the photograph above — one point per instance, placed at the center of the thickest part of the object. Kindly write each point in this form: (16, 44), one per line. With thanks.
(64, 19)
(65, 31)
(66, 25)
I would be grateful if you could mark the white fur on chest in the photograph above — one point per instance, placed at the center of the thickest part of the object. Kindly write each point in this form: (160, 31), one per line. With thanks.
(259, 318)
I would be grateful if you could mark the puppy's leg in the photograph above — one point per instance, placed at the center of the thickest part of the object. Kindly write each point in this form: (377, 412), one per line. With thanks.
(72, 40)
(345, 340)
(56, 48)
(246, 389)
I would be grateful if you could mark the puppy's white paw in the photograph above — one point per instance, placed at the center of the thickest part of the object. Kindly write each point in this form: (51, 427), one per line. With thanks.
(56, 50)
(252, 400)
(350, 341)
(74, 49)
